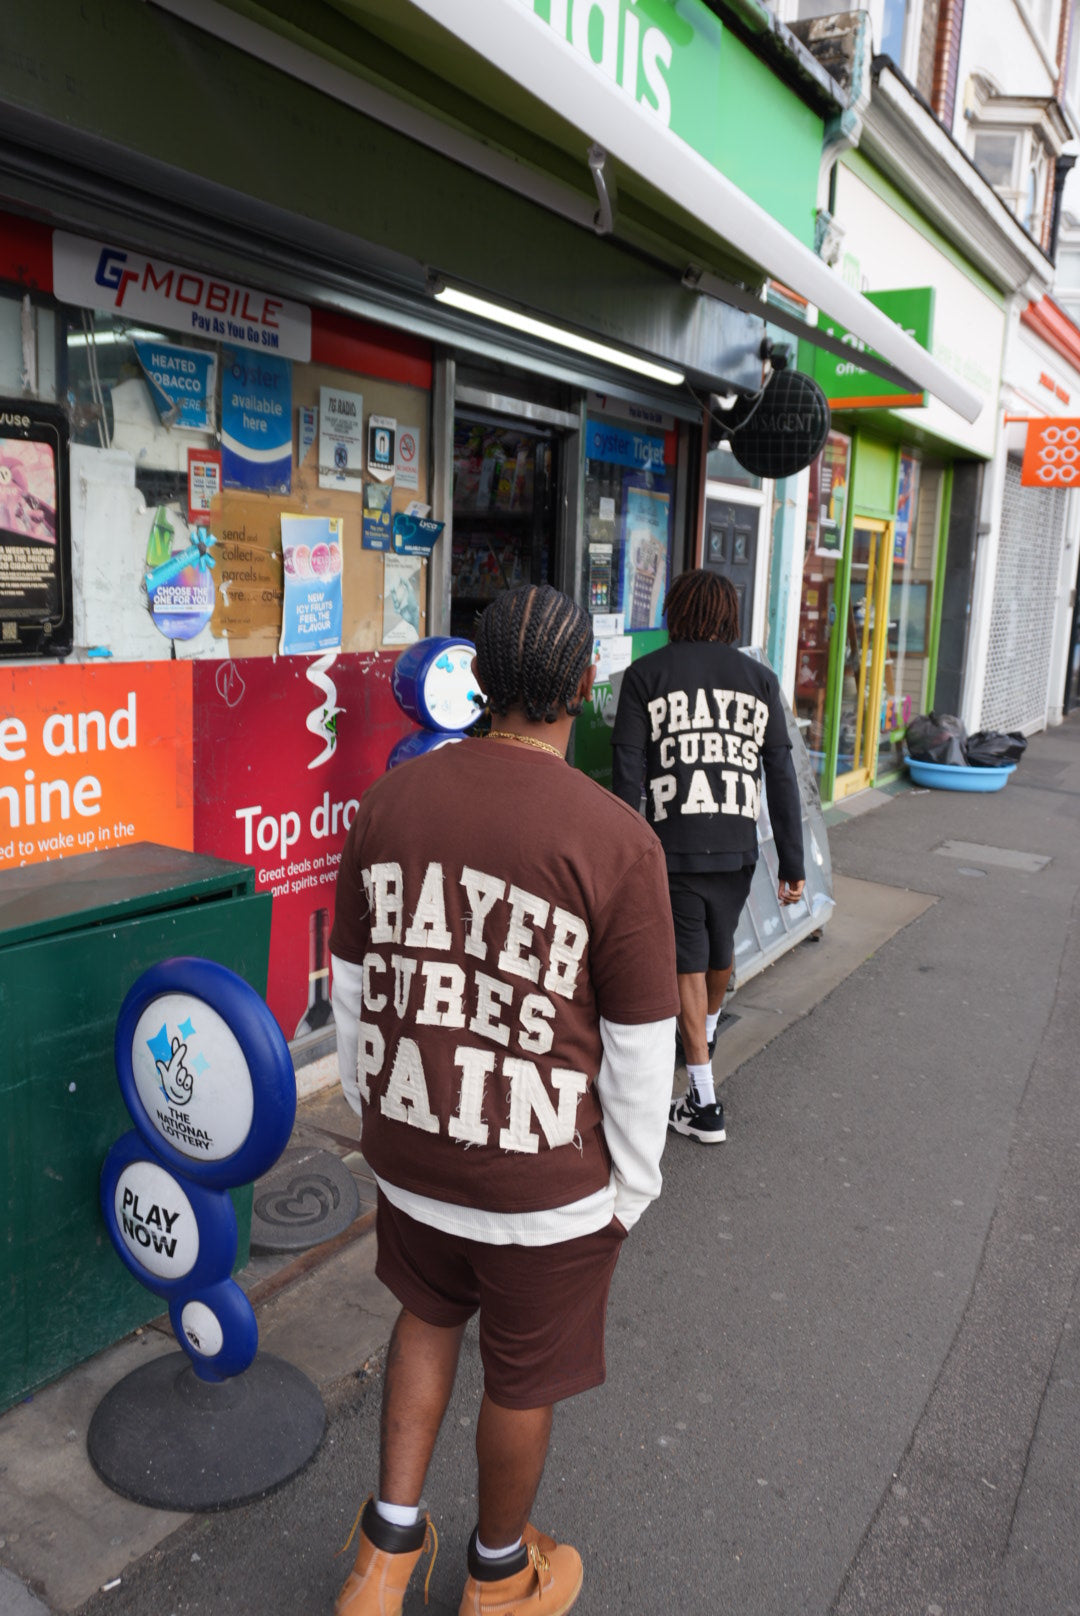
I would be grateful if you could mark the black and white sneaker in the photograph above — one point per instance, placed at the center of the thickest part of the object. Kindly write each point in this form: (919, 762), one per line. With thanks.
(703, 1122)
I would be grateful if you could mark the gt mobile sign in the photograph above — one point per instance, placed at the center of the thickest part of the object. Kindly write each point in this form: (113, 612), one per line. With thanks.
(98, 275)
(1051, 454)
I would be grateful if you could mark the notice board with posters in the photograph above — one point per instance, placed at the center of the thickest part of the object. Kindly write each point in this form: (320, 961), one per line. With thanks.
(247, 521)
(35, 532)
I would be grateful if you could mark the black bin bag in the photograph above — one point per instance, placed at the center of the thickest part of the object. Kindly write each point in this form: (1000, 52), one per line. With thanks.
(991, 749)
(936, 738)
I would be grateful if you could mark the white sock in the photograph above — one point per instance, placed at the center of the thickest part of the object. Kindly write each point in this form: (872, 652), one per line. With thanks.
(496, 1554)
(710, 1024)
(702, 1091)
(398, 1514)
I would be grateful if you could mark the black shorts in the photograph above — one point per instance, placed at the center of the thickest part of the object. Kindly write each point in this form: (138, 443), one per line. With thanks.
(706, 909)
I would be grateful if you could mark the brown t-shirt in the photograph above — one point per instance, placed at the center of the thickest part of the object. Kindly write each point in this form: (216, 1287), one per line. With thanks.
(499, 903)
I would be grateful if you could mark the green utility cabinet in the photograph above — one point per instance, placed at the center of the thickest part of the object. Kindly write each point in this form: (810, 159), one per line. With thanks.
(74, 935)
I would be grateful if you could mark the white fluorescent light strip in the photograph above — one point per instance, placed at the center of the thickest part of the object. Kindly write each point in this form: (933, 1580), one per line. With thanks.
(106, 339)
(557, 334)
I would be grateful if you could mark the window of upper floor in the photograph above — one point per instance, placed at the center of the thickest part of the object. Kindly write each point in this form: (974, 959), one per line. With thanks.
(1014, 141)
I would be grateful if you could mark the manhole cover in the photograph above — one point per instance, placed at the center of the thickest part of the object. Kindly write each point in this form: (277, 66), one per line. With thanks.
(307, 1197)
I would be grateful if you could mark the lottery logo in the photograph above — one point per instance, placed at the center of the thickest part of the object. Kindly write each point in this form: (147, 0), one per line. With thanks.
(207, 1077)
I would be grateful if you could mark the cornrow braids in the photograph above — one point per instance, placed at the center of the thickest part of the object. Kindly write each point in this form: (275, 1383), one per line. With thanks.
(532, 646)
(702, 605)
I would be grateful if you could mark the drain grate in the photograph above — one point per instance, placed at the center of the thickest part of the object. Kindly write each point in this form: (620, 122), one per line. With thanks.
(1007, 858)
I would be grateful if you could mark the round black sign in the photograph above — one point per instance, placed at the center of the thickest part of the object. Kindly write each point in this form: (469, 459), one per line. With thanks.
(786, 430)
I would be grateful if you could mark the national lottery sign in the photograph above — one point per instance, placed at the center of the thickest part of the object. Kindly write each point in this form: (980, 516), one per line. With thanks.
(102, 275)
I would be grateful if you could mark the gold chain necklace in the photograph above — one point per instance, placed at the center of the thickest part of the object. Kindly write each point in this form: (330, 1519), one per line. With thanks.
(526, 740)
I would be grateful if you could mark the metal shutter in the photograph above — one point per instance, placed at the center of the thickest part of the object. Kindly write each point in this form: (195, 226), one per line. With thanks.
(1022, 616)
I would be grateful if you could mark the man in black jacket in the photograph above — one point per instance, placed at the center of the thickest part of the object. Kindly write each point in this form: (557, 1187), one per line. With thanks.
(697, 722)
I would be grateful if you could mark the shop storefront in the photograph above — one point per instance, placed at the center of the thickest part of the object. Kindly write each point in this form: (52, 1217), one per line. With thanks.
(880, 523)
(1023, 666)
(333, 367)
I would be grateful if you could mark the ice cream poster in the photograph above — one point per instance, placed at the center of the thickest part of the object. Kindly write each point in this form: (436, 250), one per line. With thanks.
(311, 613)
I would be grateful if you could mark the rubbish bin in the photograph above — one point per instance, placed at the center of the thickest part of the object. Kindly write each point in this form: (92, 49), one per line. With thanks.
(74, 935)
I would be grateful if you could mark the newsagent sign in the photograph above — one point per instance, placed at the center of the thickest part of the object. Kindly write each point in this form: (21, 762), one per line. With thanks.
(157, 292)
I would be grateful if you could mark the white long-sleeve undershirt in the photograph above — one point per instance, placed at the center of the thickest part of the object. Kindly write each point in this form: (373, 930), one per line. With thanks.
(634, 1088)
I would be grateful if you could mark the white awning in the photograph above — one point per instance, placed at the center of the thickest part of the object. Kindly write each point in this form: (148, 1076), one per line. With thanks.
(516, 42)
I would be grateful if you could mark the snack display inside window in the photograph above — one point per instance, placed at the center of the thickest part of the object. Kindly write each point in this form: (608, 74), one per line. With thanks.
(825, 522)
(505, 513)
(629, 521)
(915, 551)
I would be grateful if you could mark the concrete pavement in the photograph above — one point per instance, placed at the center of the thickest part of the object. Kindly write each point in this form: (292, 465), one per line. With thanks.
(844, 1349)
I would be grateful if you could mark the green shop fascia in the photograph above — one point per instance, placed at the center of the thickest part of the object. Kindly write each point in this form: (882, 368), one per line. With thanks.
(893, 501)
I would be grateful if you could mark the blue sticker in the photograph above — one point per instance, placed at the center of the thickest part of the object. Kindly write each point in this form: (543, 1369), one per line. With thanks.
(256, 421)
(413, 535)
(622, 446)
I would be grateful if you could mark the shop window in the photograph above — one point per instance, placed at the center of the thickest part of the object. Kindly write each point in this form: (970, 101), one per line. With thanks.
(906, 691)
(826, 519)
(629, 520)
(995, 158)
(722, 467)
(1013, 139)
(226, 442)
(505, 511)
(892, 29)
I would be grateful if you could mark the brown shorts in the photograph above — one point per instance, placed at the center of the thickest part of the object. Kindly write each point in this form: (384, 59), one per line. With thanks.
(542, 1308)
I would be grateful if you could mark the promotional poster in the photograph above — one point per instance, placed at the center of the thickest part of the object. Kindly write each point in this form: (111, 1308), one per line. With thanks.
(284, 750)
(35, 536)
(92, 757)
(311, 616)
(256, 421)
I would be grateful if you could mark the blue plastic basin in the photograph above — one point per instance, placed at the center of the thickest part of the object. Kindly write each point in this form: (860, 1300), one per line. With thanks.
(958, 776)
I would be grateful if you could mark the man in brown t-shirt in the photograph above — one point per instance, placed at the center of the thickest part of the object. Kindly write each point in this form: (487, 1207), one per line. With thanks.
(504, 991)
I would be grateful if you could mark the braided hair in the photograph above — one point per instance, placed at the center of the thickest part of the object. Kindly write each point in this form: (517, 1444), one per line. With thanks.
(702, 605)
(532, 646)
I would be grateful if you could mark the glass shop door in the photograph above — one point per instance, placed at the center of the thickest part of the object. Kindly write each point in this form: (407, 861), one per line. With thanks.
(865, 649)
(506, 479)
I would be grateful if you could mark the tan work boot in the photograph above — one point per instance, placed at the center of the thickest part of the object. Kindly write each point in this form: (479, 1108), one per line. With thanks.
(535, 1581)
(384, 1563)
